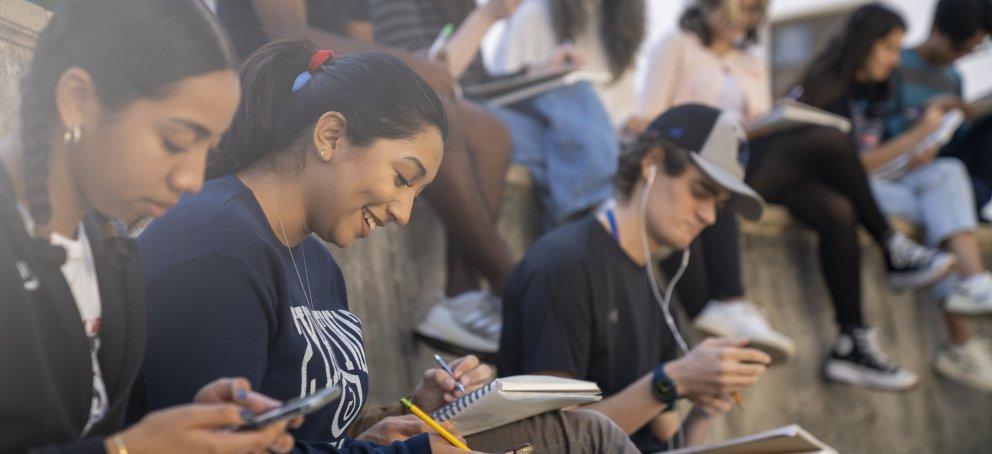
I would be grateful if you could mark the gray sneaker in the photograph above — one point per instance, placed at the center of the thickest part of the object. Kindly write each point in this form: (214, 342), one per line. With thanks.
(469, 323)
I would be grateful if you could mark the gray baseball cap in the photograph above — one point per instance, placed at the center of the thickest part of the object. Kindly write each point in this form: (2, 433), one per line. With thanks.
(717, 145)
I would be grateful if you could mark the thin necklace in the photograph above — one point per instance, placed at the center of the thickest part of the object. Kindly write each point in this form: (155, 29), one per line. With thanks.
(307, 292)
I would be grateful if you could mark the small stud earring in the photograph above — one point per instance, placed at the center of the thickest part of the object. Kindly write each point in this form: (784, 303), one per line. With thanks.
(72, 136)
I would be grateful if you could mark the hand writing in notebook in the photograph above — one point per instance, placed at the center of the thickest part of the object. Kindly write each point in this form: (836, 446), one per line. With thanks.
(437, 388)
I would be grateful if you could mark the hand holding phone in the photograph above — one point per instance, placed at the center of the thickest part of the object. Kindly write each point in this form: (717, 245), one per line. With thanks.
(295, 407)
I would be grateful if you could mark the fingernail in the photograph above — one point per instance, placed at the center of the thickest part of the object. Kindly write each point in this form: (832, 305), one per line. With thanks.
(241, 395)
(247, 415)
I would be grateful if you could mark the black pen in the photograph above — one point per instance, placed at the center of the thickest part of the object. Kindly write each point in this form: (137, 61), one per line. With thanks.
(444, 365)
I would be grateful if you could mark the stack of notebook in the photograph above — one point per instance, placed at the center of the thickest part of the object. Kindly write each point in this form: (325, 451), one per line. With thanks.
(511, 399)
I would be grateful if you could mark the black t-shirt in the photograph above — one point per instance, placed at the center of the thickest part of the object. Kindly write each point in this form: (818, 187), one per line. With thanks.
(578, 304)
(246, 33)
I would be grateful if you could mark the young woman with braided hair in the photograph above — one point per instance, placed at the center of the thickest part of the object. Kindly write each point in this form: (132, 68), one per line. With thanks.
(120, 104)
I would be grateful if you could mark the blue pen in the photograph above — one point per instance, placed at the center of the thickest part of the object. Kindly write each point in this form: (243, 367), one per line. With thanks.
(444, 365)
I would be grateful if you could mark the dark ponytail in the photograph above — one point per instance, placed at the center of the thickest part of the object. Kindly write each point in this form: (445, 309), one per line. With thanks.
(130, 49)
(378, 95)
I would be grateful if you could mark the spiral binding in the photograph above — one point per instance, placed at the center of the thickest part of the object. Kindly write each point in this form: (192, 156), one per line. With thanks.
(453, 409)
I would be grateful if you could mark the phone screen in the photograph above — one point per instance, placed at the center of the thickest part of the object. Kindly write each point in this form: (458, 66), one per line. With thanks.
(296, 407)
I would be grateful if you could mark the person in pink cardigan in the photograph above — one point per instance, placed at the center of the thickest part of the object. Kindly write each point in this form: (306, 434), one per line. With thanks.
(813, 171)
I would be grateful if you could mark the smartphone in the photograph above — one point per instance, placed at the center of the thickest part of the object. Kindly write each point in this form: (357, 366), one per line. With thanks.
(296, 407)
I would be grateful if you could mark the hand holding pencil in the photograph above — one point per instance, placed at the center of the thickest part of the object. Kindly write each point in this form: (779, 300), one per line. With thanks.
(440, 386)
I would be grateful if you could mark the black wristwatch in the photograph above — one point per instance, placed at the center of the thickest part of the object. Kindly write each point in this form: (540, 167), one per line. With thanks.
(663, 388)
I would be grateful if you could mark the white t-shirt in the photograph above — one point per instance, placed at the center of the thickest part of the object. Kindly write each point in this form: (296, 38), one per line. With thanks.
(79, 270)
(731, 98)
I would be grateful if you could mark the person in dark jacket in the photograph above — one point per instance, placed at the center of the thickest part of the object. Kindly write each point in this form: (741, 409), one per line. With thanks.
(120, 104)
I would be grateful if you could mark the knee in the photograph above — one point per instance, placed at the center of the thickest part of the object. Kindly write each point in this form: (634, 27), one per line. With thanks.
(950, 169)
(831, 141)
(839, 217)
(596, 429)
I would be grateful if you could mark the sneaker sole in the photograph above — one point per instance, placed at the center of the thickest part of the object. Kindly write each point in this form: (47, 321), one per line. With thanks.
(778, 353)
(841, 373)
(453, 349)
(969, 312)
(924, 281)
(954, 374)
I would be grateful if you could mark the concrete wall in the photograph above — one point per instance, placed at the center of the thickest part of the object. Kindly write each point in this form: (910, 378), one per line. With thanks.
(394, 277)
(19, 23)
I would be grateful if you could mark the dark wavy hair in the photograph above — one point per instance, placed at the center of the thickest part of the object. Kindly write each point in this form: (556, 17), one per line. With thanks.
(621, 24)
(832, 70)
(131, 50)
(379, 95)
(675, 161)
(694, 20)
(959, 20)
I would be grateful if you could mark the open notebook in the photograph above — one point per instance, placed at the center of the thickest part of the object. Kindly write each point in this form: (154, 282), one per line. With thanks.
(510, 399)
(788, 439)
(508, 90)
(899, 165)
(790, 114)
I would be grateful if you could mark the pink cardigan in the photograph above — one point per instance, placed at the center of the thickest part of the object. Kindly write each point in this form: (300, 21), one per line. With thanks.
(681, 70)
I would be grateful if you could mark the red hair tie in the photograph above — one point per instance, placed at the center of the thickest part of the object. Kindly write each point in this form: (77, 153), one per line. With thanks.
(319, 58)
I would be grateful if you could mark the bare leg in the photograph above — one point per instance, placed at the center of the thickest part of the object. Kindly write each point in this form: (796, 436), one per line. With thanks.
(965, 247)
(458, 195)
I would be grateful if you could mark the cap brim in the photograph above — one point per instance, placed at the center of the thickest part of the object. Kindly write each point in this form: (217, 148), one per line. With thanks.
(742, 198)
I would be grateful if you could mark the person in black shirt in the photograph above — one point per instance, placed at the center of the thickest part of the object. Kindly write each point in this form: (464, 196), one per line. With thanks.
(582, 303)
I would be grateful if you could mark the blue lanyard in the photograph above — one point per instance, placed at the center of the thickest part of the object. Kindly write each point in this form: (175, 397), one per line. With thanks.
(613, 225)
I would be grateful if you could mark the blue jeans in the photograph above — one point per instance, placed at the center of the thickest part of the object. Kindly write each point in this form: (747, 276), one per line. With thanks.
(565, 138)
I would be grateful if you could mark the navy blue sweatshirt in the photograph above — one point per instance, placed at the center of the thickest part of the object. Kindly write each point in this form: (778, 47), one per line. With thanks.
(225, 300)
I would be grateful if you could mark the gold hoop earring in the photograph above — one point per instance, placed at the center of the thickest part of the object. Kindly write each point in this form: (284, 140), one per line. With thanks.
(72, 136)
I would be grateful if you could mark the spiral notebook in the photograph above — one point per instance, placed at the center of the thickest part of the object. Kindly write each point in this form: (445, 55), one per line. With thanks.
(511, 399)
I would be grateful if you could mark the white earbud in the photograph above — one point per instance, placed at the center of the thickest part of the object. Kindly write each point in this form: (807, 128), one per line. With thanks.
(652, 171)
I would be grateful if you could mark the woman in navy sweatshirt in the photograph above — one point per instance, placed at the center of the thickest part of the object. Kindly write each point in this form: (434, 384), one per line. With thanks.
(238, 285)
(336, 147)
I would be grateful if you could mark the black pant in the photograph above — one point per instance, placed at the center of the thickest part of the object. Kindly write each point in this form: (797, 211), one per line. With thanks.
(974, 149)
(714, 271)
(815, 172)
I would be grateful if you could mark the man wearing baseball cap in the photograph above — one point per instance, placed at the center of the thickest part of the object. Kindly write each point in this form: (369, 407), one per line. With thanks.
(584, 302)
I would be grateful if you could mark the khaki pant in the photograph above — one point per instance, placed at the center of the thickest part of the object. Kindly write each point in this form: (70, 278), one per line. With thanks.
(559, 432)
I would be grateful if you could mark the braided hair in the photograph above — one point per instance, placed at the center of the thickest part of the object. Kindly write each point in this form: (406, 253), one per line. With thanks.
(130, 49)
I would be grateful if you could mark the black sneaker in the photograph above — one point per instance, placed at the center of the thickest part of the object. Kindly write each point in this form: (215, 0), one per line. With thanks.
(856, 359)
(912, 266)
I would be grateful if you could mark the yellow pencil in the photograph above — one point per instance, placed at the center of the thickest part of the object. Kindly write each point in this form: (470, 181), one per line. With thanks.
(737, 399)
(434, 424)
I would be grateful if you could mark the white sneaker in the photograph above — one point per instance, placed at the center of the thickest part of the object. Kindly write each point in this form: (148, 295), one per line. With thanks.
(972, 296)
(970, 363)
(742, 319)
(468, 323)
(986, 211)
